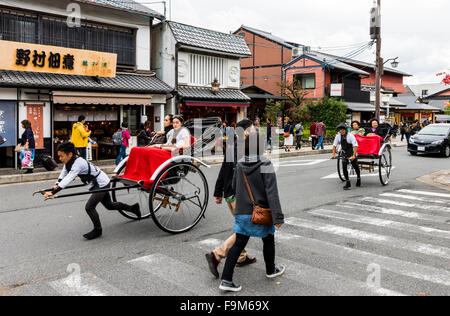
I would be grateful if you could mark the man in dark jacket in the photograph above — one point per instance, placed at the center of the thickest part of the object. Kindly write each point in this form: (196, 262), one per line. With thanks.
(224, 189)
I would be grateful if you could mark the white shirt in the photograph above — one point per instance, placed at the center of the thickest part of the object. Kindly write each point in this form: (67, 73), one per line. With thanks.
(351, 139)
(180, 138)
(80, 166)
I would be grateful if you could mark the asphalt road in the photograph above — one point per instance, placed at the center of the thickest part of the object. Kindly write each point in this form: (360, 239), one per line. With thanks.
(333, 242)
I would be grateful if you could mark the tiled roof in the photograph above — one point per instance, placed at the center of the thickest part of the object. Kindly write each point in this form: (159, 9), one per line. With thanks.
(208, 39)
(127, 5)
(268, 36)
(122, 82)
(411, 104)
(199, 93)
(433, 88)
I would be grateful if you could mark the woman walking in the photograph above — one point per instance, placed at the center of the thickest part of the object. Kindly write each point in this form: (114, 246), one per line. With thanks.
(288, 136)
(262, 190)
(143, 138)
(125, 143)
(28, 147)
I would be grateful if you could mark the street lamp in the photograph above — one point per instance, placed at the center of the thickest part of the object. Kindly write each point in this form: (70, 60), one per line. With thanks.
(394, 63)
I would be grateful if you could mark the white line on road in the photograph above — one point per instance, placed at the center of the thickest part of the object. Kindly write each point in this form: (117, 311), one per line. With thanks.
(415, 198)
(426, 249)
(85, 284)
(336, 175)
(404, 268)
(185, 276)
(383, 223)
(426, 193)
(416, 206)
(314, 277)
(298, 163)
(395, 212)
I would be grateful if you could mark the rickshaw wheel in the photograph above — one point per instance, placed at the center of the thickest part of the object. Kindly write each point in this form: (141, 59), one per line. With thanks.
(385, 166)
(183, 190)
(131, 196)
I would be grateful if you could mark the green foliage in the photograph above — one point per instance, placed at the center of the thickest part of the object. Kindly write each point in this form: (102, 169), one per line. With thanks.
(331, 110)
(447, 110)
(273, 109)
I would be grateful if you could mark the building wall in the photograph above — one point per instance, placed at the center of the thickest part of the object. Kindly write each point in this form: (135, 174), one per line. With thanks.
(388, 80)
(444, 94)
(101, 15)
(315, 68)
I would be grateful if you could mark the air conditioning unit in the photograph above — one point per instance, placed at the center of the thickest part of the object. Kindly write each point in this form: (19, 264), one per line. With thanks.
(296, 51)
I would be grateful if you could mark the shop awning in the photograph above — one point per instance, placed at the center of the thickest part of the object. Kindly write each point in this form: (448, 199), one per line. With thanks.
(97, 98)
(217, 104)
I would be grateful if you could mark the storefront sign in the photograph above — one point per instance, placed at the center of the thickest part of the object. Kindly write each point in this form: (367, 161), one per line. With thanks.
(35, 114)
(337, 90)
(8, 123)
(56, 60)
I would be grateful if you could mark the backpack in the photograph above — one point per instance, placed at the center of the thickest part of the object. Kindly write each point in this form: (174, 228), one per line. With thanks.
(117, 138)
(49, 163)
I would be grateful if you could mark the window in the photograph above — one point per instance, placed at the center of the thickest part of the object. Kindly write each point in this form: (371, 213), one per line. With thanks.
(424, 93)
(306, 81)
(18, 27)
(205, 69)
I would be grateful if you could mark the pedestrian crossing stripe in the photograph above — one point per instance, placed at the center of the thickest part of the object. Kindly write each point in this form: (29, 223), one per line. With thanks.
(85, 284)
(415, 206)
(394, 212)
(415, 198)
(311, 276)
(432, 232)
(426, 193)
(373, 174)
(426, 249)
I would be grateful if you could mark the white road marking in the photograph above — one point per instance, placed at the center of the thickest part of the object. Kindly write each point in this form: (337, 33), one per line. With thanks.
(395, 212)
(383, 223)
(373, 174)
(444, 195)
(409, 269)
(313, 277)
(191, 278)
(298, 163)
(426, 249)
(85, 284)
(415, 198)
(415, 206)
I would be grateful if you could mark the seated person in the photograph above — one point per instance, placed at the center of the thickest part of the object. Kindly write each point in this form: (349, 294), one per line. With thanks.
(179, 138)
(168, 126)
(357, 129)
(375, 129)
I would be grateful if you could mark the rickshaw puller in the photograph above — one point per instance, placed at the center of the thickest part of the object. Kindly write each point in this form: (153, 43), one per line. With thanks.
(90, 175)
(349, 146)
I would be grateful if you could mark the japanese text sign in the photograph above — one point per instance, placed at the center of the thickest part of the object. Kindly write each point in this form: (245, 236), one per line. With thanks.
(56, 60)
(7, 123)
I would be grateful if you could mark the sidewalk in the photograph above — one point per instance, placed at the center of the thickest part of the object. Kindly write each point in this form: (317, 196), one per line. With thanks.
(439, 179)
(12, 176)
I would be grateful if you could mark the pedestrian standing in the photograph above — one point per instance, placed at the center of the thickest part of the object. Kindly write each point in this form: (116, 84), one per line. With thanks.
(125, 143)
(80, 136)
(288, 136)
(408, 130)
(142, 137)
(321, 132)
(255, 184)
(269, 136)
(299, 134)
(224, 189)
(403, 130)
(28, 147)
(312, 131)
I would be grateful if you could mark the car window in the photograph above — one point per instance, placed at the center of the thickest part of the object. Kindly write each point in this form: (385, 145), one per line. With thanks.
(435, 130)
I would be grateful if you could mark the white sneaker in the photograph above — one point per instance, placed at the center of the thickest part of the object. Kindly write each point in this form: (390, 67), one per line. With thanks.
(279, 271)
(229, 287)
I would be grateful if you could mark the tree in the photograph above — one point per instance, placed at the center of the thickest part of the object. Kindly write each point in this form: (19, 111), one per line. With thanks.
(447, 109)
(296, 99)
(331, 110)
(273, 109)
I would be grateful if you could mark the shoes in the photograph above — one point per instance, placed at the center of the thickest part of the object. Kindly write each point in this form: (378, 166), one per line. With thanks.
(227, 286)
(358, 183)
(29, 171)
(248, 261)
(213, 263)
(279, 271)
(136, 210)
(96, 233)
(348, 186)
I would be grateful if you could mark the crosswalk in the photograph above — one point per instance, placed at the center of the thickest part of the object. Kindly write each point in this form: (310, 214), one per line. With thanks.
(328, 250)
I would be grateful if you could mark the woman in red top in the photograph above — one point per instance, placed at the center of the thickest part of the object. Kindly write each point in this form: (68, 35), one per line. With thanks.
(126, 143)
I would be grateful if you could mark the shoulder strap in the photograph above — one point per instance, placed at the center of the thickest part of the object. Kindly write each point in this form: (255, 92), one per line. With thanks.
(248, 188)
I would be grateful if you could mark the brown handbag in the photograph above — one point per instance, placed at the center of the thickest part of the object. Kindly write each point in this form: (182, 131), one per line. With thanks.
(261, 216)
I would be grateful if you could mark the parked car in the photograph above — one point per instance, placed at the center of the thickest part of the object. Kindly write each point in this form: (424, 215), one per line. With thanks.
(433, 139)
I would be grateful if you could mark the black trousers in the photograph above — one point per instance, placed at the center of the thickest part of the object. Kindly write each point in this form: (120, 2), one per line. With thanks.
(314, 142)
(105, 199)
(239, 246)
(83, 152)
(299, 142)
(355, 166)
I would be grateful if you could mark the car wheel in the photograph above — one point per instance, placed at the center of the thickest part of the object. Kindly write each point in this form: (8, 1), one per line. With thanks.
(446, 151)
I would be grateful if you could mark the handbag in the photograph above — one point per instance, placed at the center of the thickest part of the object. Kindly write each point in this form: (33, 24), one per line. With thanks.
(261, 216)
(287, 135)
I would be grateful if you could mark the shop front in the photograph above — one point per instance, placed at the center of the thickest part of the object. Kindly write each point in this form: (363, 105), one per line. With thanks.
(229, 104)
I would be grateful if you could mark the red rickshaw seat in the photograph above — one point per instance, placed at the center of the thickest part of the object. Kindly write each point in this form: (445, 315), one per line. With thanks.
(369, 145)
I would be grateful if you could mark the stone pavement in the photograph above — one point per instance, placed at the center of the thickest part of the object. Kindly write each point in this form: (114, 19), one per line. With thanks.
(11, 176)
(439, 179)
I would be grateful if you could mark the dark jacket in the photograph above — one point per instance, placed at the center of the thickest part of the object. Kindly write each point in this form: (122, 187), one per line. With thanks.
(263, 183)
(224, 183)
(142, 138)
(380, 131)
(28, 135)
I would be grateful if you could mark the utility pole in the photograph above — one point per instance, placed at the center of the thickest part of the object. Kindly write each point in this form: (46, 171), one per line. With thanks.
(379, 65)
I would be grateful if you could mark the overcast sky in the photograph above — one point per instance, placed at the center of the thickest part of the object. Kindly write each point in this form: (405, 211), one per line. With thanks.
(416, 31)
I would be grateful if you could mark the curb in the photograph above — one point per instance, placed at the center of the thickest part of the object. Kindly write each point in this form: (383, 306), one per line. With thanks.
(439, 179)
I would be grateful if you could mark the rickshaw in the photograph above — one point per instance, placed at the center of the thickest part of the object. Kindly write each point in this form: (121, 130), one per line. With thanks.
(175, 194)
(374, 155)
